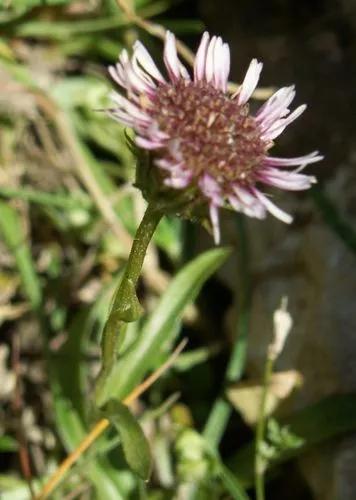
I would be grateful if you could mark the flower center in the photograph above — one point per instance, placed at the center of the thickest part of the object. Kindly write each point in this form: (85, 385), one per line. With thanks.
(214, 134)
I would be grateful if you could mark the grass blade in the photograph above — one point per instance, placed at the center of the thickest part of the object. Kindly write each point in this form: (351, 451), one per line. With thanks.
(161, 327)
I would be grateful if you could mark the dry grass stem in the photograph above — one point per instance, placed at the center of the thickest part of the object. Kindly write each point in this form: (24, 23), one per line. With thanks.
(103, 424)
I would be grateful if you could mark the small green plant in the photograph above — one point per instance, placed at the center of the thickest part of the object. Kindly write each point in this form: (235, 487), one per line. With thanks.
(103, 273)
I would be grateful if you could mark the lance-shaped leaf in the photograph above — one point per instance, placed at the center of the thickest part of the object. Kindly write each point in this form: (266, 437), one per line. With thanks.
(161, 326)
(134, 443)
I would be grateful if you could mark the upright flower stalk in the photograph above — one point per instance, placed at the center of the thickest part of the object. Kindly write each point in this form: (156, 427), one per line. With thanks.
(125, 306)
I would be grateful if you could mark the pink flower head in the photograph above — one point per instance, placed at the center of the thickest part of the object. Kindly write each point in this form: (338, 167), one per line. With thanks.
(203, 137)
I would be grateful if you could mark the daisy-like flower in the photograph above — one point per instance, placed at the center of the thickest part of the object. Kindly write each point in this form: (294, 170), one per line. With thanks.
(204, 138)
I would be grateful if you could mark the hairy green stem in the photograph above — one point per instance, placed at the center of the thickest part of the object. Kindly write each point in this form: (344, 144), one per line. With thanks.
(125, 307)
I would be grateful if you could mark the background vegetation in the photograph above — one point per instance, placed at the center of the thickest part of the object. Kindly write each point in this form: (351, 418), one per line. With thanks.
(68, 213)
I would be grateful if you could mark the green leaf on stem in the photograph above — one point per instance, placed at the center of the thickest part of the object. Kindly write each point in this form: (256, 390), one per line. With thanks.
(161, 327)
(134, 443)
(126, 306)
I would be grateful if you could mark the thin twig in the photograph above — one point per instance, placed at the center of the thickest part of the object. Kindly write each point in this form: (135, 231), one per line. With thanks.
(155, 375)
(103, 424)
